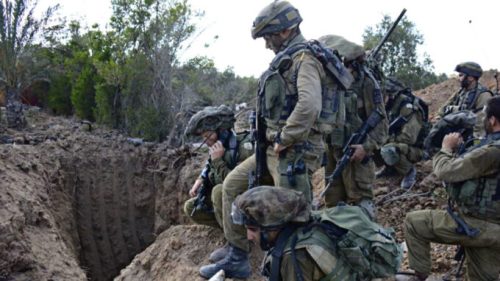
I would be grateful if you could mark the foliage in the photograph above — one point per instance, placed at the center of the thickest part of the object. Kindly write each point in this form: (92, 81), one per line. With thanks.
(399, 55)
(83, 94)
(130, 77)
(18, 30)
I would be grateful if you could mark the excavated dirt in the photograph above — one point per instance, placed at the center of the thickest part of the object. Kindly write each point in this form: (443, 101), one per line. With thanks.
(84, 205)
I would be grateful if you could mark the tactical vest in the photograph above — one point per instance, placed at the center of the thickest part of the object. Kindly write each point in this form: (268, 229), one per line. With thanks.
(479, 197)
(279, 97)
(353, 109)
(467, 100)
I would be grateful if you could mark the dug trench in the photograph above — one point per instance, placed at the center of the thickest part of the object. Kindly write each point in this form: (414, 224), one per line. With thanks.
(79, 205)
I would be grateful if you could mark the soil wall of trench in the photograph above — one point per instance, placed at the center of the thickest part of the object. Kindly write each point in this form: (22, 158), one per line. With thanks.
(79, 205)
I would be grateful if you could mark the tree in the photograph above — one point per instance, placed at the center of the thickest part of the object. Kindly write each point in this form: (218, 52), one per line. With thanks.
(18, 68)
(399, 57)
(150, 34)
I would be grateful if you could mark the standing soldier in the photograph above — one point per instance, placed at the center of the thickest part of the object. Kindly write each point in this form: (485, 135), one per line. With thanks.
(226, 149)
(362, 99)
(472, 95)
(407, 116)
(289, 103)
(473, 216)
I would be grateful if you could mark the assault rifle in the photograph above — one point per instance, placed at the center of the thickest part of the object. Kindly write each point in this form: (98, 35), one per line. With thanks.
(357, 138)
(203, 191)
(372, 56)
(258, 131)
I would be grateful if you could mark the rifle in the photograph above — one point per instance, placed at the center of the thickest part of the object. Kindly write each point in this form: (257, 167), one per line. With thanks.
(258, 130)
(203, 191)
(374, 52)
(357, 138)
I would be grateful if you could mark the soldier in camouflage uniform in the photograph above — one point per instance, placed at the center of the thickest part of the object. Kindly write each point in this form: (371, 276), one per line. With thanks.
(271, 214)
(472, 95)
(473, 185)
(362, 99)
(406, 135)
(291, 106)
(226, 150)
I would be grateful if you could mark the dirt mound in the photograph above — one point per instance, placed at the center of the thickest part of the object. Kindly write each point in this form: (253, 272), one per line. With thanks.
(178, 253)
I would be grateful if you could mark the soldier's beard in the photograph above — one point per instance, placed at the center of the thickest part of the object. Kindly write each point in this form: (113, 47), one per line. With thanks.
(464, 83)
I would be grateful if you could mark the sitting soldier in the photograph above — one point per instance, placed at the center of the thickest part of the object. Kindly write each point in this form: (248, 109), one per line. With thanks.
(471, 96)
(408, 117)
(226, 150)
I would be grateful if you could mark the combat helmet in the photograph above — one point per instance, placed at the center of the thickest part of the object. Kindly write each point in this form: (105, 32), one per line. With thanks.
(270, 207)
(470, 68)
(210, 118)
(347, 50)
(275, 17)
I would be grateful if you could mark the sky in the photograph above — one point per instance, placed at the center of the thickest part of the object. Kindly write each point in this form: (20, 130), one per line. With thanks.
(454, 31)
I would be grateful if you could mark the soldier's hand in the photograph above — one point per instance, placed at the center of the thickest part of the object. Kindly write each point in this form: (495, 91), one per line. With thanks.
(452, 141)
(278, 148)
(217, 150)
(194, 189)
(359, 152)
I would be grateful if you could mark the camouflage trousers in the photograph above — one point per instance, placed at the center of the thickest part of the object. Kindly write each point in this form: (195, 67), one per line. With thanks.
(482, 253)
(210, 218)
(408, 156)
(356, 182)
(236, 183)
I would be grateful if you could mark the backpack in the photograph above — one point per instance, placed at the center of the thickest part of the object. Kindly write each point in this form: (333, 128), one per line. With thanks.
(461, 121)
(364, 249)
(368, 248)
(333, 92)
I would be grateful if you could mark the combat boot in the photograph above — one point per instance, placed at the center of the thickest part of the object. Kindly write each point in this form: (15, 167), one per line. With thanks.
(385, 172)
(235, 265)
(410, 179)
(219, 253)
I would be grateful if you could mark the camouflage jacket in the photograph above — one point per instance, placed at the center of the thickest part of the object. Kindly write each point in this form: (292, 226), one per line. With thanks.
(364, 89)
(473, 178)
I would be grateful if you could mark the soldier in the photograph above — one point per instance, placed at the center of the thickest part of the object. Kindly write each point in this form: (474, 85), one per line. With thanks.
(473, 216)
(226, 150)
(407, 115)
(471, 96)
(269, 213)
(362, 99)
(305, 245)
(290, 105)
